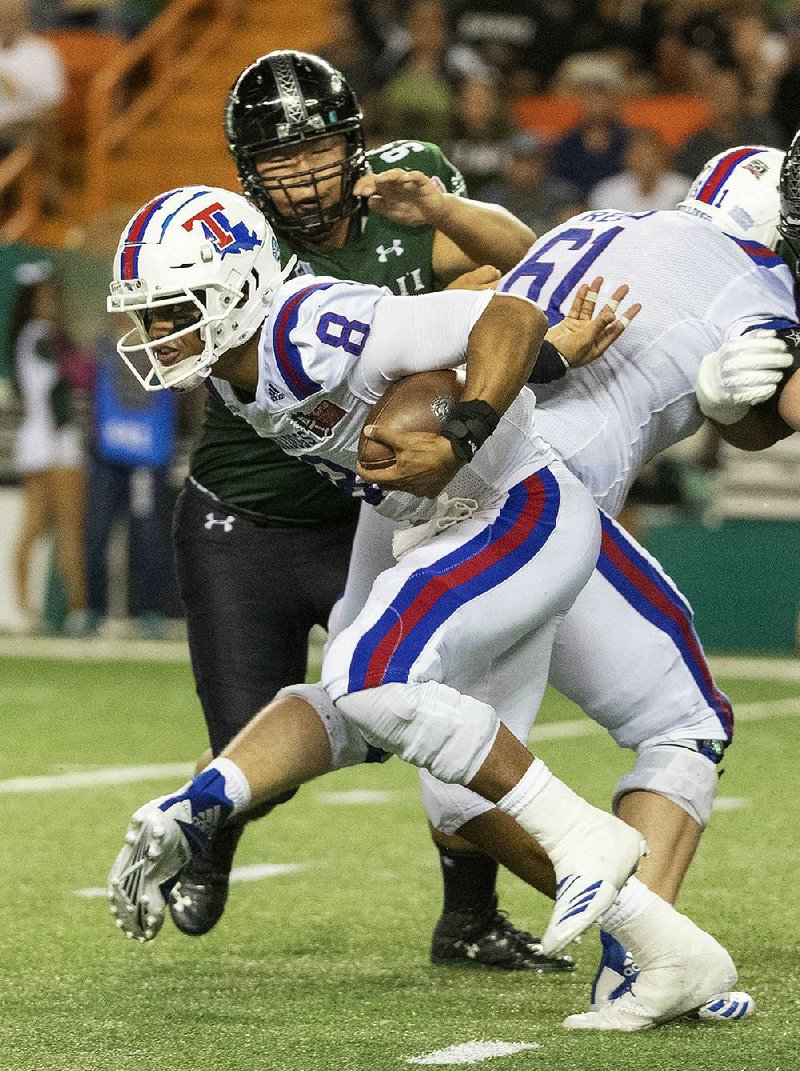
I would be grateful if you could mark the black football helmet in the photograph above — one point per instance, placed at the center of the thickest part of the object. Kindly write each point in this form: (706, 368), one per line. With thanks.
(789, 221)
(286, 98)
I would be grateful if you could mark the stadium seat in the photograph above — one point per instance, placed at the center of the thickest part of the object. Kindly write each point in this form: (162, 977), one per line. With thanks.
(674, 116)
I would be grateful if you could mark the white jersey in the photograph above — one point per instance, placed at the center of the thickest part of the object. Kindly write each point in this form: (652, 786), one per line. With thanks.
(315, 389)
(698, 289)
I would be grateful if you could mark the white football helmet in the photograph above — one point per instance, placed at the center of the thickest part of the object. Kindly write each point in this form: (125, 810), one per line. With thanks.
(210, 256)
(738, 191)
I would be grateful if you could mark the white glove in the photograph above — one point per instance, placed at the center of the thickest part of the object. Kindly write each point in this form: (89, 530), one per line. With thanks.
(741, 373)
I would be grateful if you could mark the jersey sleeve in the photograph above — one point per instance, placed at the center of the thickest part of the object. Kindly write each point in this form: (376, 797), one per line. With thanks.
(419, 156)
(761, 299)
(312, 339)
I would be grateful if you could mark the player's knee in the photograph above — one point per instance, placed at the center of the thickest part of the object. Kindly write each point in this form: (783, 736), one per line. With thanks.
(348, 746)
(677, 770)
(430, 725)
(449, 807)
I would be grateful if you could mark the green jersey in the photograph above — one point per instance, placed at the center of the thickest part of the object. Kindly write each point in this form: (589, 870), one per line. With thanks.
(252, 475)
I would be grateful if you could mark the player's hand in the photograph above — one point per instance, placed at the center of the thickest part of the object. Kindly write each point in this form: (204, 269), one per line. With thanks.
(582, 337)
(484, 278)
(741, 373)
(424, 463)
(410, 197)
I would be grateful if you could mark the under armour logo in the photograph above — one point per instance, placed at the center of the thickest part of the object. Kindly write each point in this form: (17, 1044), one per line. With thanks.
(226, 522)
(396, 247)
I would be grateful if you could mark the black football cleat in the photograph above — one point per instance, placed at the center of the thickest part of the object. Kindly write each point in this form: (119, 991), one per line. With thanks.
(488, 939)
(198, 900)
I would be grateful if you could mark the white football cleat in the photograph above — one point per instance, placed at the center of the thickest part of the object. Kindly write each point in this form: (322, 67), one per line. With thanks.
(726, 1008)
(687, 970)
(155, 851)
(592, 862)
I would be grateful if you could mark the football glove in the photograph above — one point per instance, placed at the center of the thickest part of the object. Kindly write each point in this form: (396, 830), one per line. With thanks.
(742, 373)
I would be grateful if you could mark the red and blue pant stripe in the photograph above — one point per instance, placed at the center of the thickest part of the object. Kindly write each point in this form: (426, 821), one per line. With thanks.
(649, 592)
(431, 596)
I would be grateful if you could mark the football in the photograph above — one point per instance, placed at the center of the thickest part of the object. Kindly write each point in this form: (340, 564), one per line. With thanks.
(415, 403)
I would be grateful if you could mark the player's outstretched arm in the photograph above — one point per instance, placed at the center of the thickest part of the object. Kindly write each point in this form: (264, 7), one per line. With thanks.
(468, 233)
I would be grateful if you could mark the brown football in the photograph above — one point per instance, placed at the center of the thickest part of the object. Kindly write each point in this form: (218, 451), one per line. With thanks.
(414, 403)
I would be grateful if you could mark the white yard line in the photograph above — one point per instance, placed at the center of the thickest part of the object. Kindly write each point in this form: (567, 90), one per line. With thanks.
(356, 796)
(254, 872)
(471, 1052)
(731, 803)
(559, 730)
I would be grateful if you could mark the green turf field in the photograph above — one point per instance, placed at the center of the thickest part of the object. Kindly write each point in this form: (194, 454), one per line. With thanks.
(326, 967)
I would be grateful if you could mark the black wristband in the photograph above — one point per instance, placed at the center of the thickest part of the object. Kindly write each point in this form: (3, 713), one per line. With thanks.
(468, 425)
(550, 365)
(791, 336)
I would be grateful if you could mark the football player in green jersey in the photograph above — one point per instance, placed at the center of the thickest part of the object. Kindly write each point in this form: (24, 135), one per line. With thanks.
(262, 541)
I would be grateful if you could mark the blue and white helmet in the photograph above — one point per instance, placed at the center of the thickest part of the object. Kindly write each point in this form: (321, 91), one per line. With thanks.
(738, 191)
(204, 248)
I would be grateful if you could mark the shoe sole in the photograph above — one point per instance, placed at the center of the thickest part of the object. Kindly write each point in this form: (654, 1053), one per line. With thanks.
(134, 900)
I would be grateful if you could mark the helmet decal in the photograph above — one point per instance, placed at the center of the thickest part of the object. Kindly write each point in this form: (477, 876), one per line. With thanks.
(224, 236)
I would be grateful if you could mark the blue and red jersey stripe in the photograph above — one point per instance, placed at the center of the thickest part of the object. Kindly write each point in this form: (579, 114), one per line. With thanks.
(430, 596)
(287, 355)
(649, 592)
(759, 254)
(715, 181)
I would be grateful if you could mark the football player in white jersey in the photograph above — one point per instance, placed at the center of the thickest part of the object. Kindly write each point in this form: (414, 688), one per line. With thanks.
(511, 542)
(627, 652)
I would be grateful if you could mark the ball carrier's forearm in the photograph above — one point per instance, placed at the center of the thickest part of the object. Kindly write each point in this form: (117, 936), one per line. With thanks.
(502, 349)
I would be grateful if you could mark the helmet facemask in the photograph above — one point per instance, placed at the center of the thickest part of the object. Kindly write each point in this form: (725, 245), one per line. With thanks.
(789, 222)
(292, 212)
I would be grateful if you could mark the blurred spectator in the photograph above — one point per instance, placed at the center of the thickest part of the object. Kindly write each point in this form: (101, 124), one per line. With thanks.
(47, 452)
(525, 40)
(759, 54)
(527, 189)
(646, 184)
(482, 131)
(32, 81)
(125, 17)
(595, 148)
(133, 440)
(729, 124)
(786, 102)
(419, 102)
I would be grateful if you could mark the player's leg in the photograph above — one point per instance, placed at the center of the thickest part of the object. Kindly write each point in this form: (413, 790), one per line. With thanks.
(34, 525)
(543, 536)
(470, 930)
(250, 598)
(643, 676)
(451, 610)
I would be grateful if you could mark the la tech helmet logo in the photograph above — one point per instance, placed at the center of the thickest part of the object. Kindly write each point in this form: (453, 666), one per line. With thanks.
(224, 236)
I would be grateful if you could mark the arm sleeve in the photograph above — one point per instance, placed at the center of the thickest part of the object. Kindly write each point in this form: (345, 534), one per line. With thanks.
(418, 334)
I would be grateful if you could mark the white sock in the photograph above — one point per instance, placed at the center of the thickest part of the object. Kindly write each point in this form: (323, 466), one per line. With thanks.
(526, 789)
(237, 787)
(634, 896)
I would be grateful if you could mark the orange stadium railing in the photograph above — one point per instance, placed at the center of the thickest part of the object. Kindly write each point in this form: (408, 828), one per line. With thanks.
(119, 101)
(20, 191)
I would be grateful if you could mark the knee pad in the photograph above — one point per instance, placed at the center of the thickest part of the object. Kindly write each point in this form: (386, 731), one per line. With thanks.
(430, 725)
(677, 770)
(449, 807)
(348, 746)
